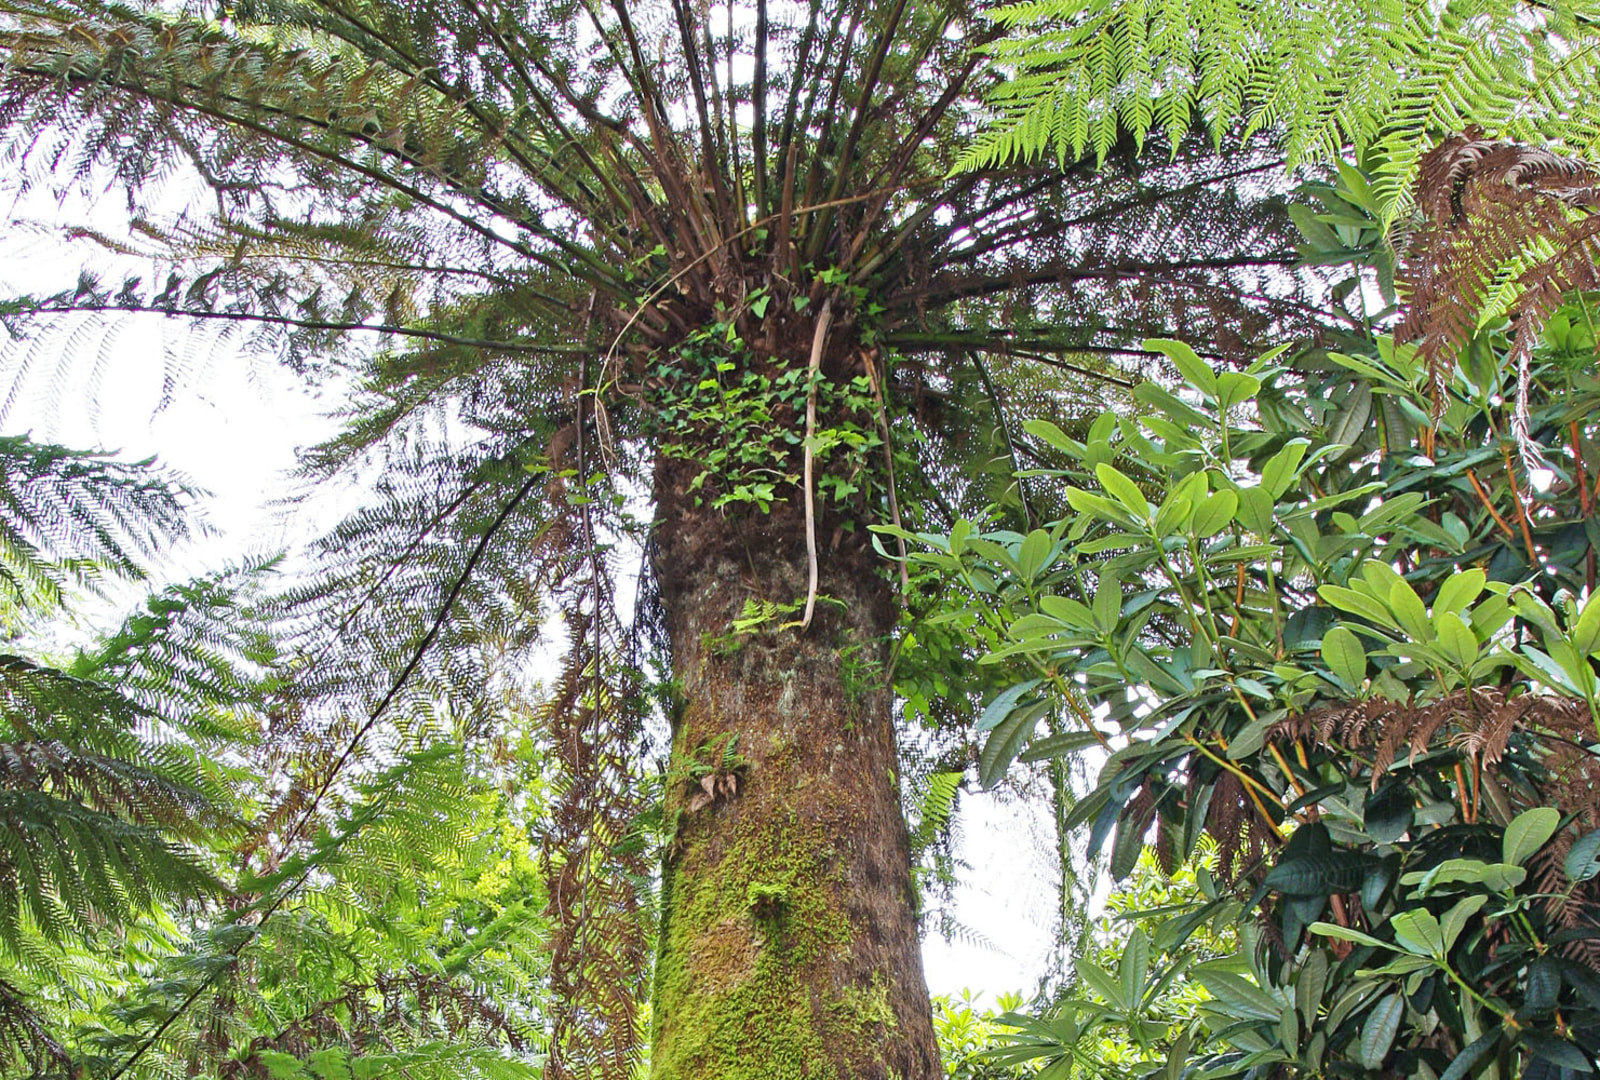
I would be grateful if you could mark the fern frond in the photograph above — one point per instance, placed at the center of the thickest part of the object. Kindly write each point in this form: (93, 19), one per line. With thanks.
(69, 517)
(1382, 82)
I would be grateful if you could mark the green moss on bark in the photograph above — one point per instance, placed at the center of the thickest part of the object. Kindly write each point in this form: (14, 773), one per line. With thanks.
(732, 969)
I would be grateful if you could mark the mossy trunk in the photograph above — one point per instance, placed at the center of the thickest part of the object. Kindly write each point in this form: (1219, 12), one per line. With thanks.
(788, 944)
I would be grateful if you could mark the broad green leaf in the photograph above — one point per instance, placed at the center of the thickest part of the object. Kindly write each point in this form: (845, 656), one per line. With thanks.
(1418, 932)
(1528, 832)
(1107, 603)
(1471, 1054)
(1543, 986)
(1408, 610)
(1342, 652)
(1234, 388)
(1455, 920)
(1172, 515)
(1543, 667)
(1380, 577)
(1455, 638)
(1127, 847)
(1134, 966)
(1350, 423)
(1586, 631)
(1104, 426)
(1054, 746)
(1345, 933)
(1289, 1031)
(1067, 610)
(1319, 873)
(1250, 738)
(1047, 432)
(1583, 861)
(1459, 590)
(1238, 995)
(1310, 985)
(1357, 604)
(1100, 980)
(1559, 1052)
(1195, 371)
(1122, 489)
(1389, 813)
(1032, 555)
(1005, 701)
(1377, 1035)
(1006, 741)
(1215, 514)
(1574, 664)
(1279, 472)
(1496, 877)
(1098, 506)
(1255, 510)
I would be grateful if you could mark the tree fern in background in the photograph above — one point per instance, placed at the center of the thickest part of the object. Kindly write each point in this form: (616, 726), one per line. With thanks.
(102, 808)
(69, 518)
(1381, 81)
(155, 804)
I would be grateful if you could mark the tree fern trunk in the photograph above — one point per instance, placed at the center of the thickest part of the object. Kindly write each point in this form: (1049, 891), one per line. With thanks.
(788, 943)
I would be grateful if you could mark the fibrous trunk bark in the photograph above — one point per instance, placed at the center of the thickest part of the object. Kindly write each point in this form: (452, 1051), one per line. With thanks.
(788, 946)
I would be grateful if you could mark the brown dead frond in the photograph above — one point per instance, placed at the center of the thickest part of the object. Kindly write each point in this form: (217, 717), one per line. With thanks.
(1503, 224)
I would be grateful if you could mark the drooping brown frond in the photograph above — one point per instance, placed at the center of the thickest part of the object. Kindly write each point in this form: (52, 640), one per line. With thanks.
(1483, 725)
(1507, 230)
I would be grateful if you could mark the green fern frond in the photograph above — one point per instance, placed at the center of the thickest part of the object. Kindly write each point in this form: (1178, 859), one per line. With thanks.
(72, 518)
(1383, 82)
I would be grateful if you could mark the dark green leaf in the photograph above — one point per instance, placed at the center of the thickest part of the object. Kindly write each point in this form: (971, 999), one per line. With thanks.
(1377, 1035)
